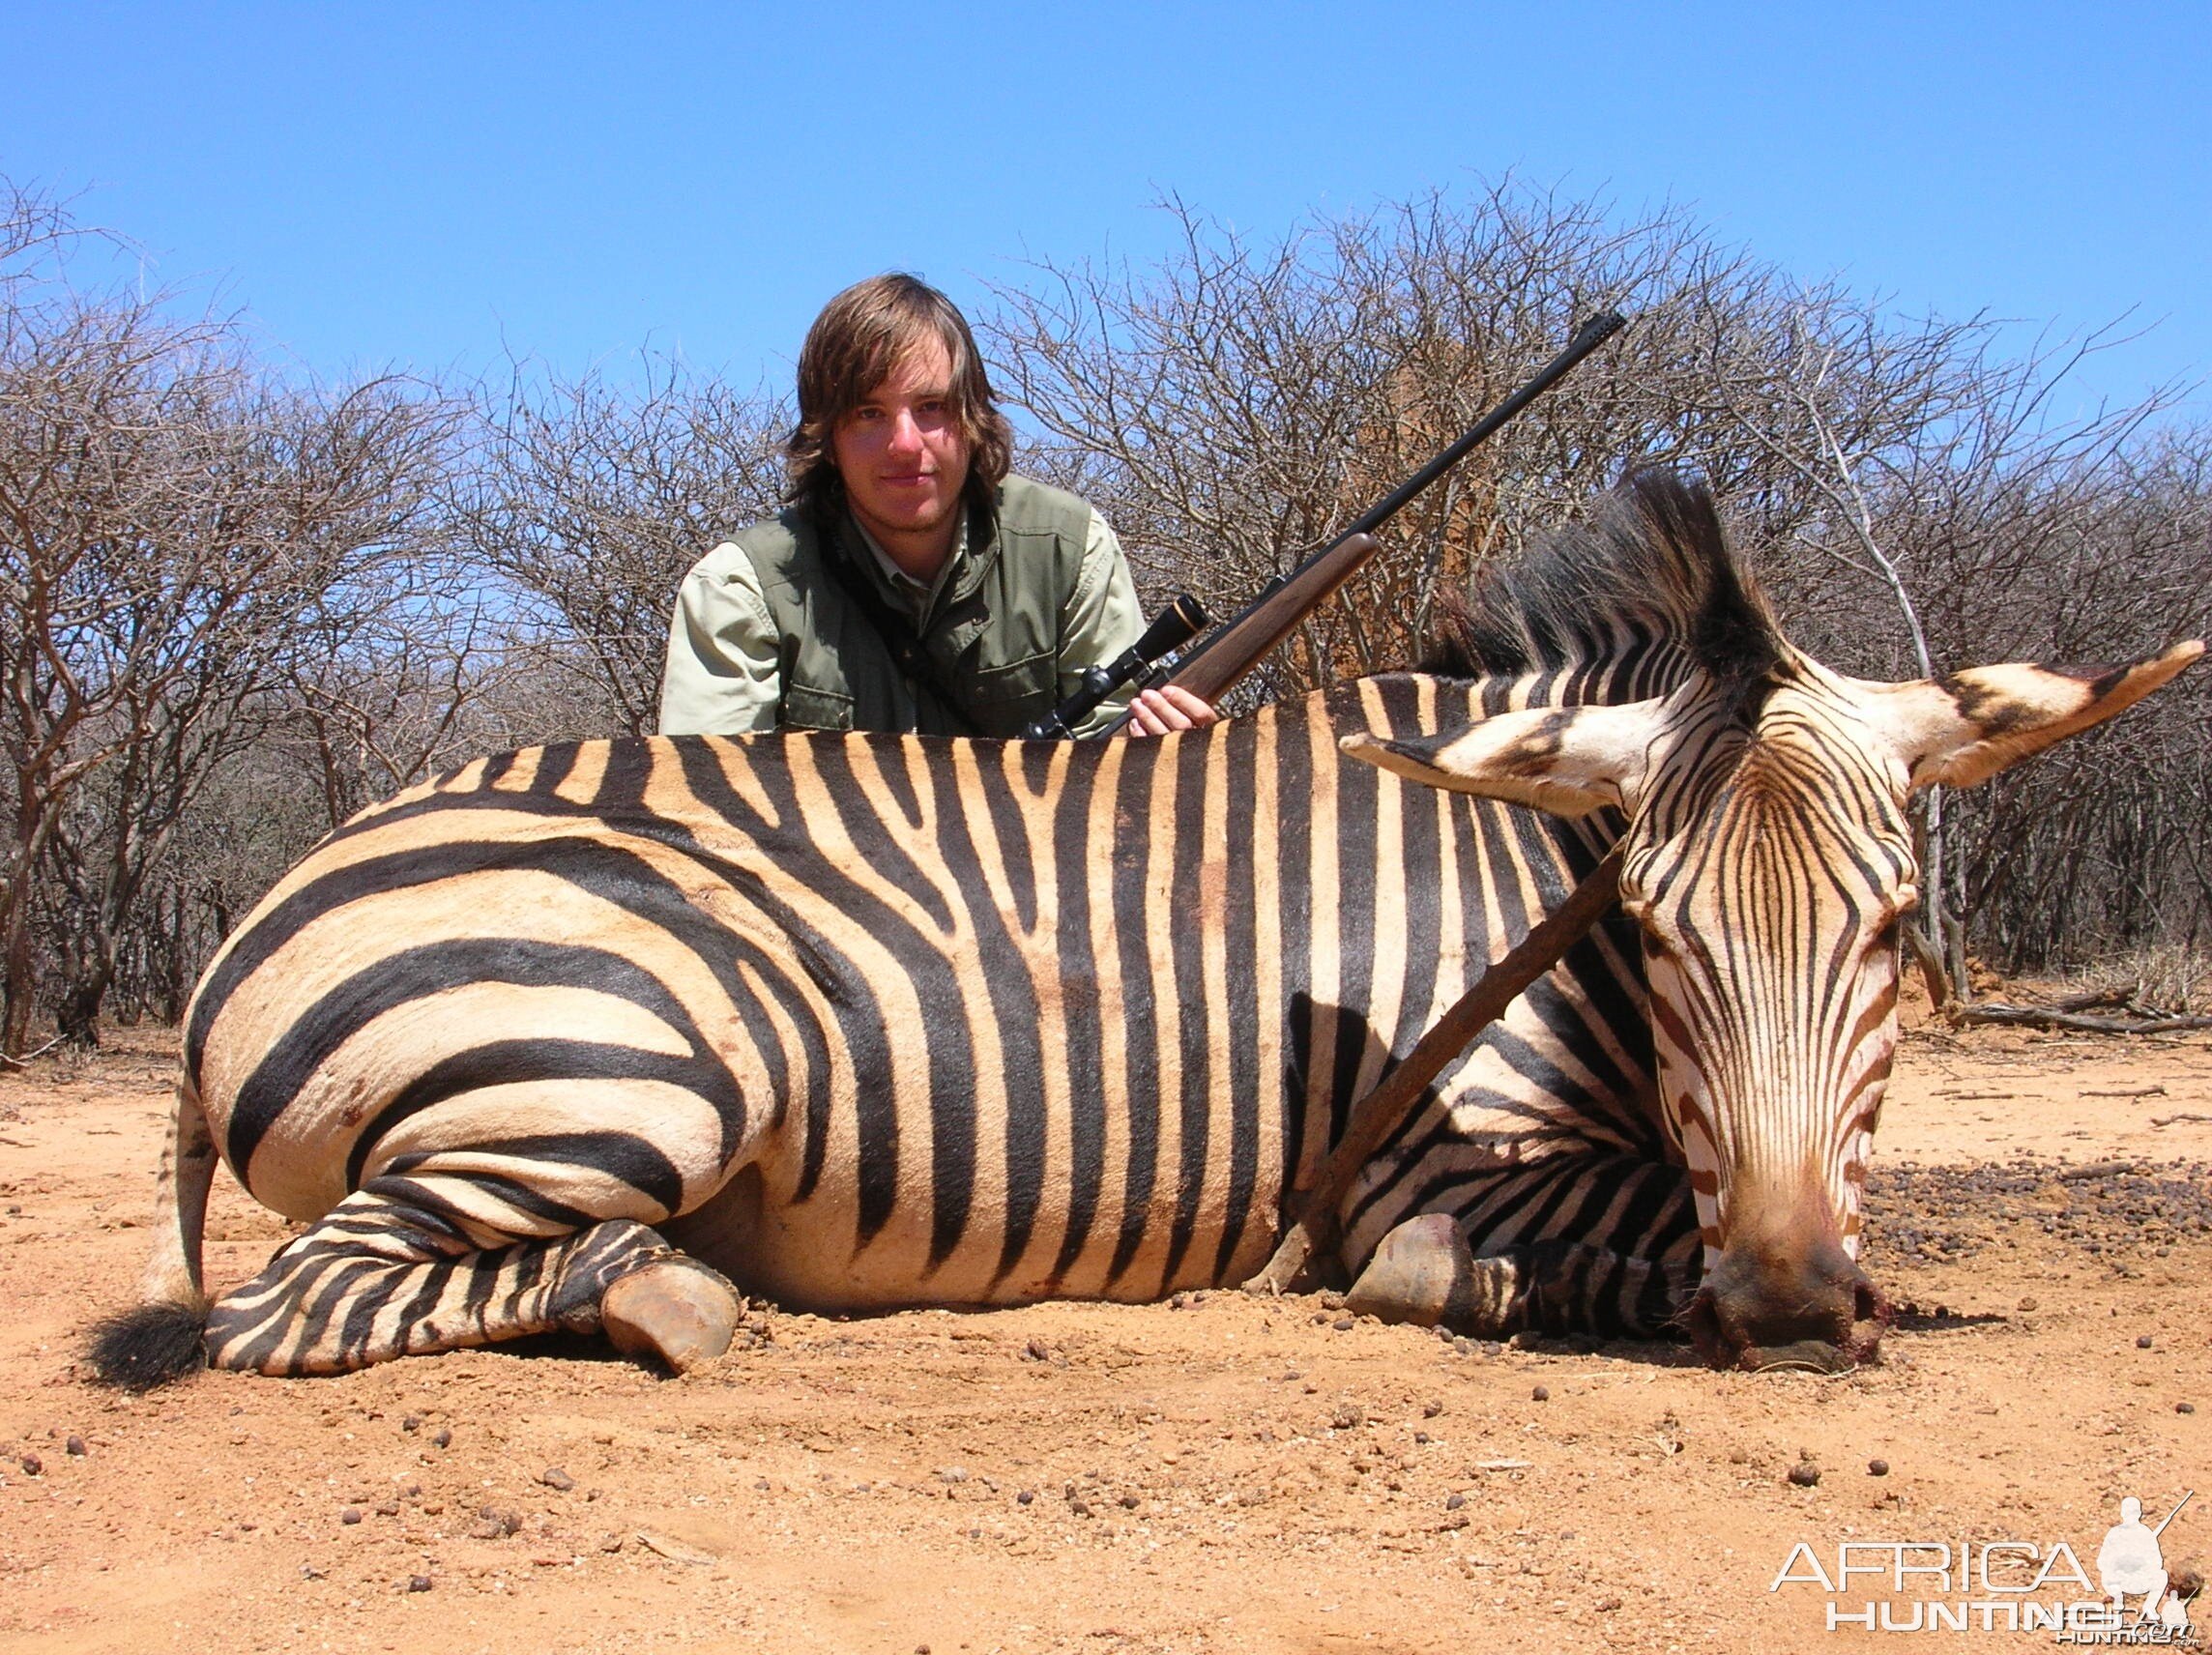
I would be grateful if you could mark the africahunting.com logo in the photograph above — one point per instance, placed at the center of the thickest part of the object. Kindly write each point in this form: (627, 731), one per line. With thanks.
(2007, 1586)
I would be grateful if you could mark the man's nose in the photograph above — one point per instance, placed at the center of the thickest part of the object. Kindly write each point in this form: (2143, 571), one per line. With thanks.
(906, 432)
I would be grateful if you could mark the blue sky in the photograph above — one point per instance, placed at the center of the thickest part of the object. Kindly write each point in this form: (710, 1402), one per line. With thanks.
(425, 188)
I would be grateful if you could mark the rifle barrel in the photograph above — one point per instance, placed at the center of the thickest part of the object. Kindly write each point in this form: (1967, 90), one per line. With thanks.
(1335, 562)
(1588, 337)
(2187, 1495)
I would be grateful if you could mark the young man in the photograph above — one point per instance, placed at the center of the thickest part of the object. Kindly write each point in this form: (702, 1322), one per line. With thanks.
(914, 583)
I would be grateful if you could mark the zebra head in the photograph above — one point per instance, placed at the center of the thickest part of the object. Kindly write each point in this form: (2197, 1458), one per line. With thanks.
(1631, 666)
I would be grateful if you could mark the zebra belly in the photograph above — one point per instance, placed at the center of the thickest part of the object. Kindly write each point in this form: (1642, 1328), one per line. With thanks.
(806, 1254)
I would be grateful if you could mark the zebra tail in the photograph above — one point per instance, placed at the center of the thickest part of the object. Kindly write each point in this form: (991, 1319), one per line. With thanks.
(160, 1337)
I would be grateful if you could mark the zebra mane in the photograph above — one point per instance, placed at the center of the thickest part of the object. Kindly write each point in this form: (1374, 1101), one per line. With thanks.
(1649, 576)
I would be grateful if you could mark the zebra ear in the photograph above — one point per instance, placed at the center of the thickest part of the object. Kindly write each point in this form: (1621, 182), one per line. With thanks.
(1566, 760)
(1966, 727)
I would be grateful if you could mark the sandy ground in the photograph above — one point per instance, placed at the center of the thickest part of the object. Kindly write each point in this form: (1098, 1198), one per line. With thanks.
(1227, 1475)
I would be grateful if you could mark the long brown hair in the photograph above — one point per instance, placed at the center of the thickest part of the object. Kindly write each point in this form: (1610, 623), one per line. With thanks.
(859, 338)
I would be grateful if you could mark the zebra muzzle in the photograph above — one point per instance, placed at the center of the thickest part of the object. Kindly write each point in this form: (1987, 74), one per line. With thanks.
(1761, 1311)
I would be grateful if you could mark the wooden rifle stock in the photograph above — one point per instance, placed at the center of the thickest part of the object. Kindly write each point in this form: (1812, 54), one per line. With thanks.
(1240, 645)
(1241, 642)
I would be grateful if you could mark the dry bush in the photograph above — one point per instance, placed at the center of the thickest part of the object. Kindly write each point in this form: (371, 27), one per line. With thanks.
(591, 497)
(1235, 406)
(178, 524)
(233, 610)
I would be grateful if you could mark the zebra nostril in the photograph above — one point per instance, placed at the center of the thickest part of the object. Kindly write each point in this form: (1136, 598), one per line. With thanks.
(1868, 1303)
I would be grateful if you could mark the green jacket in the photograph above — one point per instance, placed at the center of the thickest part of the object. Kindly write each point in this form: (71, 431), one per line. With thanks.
(766, 635)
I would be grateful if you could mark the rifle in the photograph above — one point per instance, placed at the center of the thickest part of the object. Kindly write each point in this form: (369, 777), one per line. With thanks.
(2187, 1495)
(1241, 642)
(1174, 627)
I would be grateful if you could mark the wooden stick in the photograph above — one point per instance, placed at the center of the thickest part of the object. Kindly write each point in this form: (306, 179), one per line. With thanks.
(2042, 1017)
(1380, 1112)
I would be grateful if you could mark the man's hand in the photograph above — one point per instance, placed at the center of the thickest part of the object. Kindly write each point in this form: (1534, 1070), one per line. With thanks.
(1156, 711)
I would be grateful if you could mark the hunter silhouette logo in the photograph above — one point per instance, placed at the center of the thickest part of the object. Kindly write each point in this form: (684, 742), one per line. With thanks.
(2010, 1585)
(2131, 1563)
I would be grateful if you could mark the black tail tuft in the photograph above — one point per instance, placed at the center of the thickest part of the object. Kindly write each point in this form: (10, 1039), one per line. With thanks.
(146, 1345)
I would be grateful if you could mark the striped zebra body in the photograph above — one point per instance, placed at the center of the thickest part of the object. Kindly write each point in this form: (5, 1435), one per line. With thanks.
(871, 1020)
(919, 1021)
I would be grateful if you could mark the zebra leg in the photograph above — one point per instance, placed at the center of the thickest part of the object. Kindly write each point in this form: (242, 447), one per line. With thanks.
(392, 1271)
(1424, 1273)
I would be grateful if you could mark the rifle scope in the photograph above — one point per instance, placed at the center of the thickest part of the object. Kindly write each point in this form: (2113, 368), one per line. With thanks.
(1176, 625)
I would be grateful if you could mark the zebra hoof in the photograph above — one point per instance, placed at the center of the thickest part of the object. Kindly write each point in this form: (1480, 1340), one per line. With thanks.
(675, 1310)
(1423, 1273)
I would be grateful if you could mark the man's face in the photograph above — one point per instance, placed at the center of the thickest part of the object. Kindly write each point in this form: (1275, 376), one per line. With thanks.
(904, 460)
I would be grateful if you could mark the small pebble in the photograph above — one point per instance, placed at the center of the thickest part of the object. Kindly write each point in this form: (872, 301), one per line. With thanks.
(389, 1508)
(1129, 1502)
(1878, 1467)
(612, 1542)
(1348, 1417)
(1454, 1502)
(75, 1445)
(350, 1516)
(1805, 1474)
(33, 1464)
(1025, 1497)
(1037, 1350)
(2184, 1408)
(1605, 1606)
(1542, 1393)
(1431, 1409)
(308, 1572)
(553, 1477)
(952, 1473)
(441, 1437)
(2028, 1303)
(1343, 1324)
(410, 1422)
(2143, 1342)
(418, 1582)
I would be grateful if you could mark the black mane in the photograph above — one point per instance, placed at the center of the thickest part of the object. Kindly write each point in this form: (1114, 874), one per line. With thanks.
(1649, 576)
